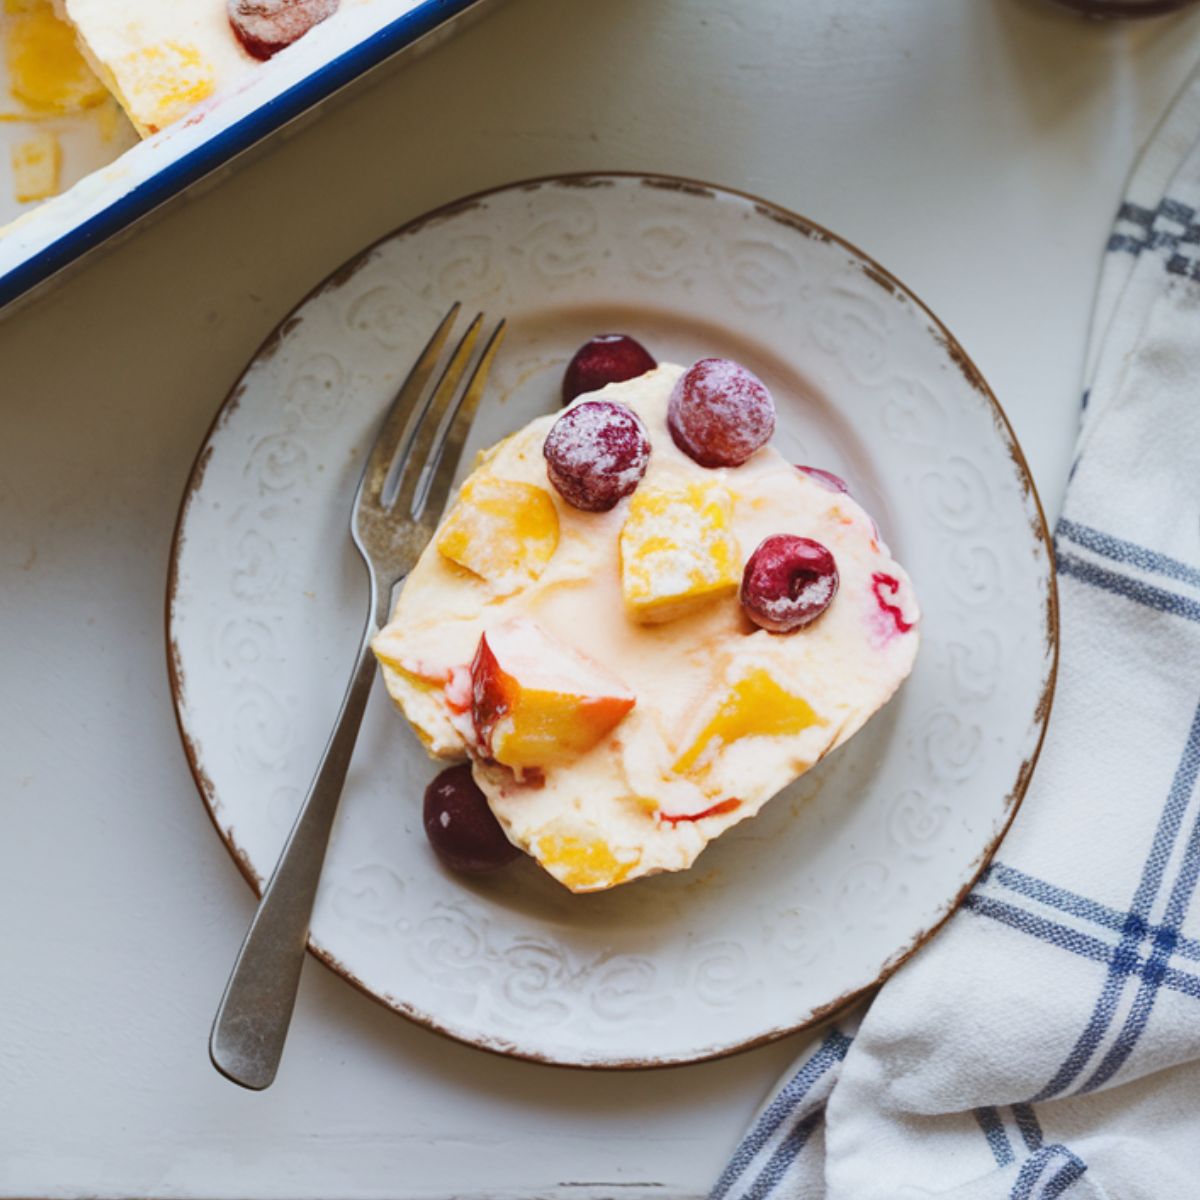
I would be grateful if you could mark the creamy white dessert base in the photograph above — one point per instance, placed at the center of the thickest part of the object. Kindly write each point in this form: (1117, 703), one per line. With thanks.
(725, 714)
(158, 58)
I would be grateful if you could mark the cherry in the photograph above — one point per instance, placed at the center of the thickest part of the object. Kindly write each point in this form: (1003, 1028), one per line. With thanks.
(720, 413)
(596, 454)
(607, 358)
(264, 27)
(827, 479)
(788, 583)
(461, 828)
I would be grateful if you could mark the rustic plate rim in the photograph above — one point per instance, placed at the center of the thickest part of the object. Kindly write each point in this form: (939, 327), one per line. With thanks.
(881, 276)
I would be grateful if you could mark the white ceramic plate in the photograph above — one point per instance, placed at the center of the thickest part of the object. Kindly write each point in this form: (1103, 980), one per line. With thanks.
(789, 915)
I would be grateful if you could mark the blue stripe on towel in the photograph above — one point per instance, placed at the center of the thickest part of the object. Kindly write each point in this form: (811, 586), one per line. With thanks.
(1083, 944)
(1130, 589)
(1124, 961)
(1125, 242)
(1067, 1175)
(831, 1051)
(1135, 214)
(1170, 228)
(1130, 553)
(1177, 211)
(787, 1153)
(1151, 234)
(1077, 905)
(1058, 1183)
(1063, 936)
(1166, 937)
(1028, 1124)
(1056, 897)
(1181, 264)
(993, 1129)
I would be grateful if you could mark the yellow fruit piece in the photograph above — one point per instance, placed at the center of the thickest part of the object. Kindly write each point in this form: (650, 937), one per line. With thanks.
(45, 68)
(756, 706)
(160, 84)
(582, 866)
(678, 552)
(35, 167)
(502, 531)
(537, 702)
(553, 727)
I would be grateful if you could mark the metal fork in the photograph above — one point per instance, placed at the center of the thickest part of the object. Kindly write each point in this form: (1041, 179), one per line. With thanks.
(403, 489)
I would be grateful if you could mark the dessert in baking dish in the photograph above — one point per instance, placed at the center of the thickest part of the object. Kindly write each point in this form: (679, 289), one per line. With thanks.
(161, 58)
(638, 622)
(156, 61)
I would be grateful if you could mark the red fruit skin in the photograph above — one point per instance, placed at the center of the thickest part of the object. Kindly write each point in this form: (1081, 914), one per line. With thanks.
(461, 827)
(827, 479)
(522, 725)
(788, 583)
(264, 27)
(715, 810)
(491, 694)
(881, 583)
(720, 413)
(596, 454)
(606, 358)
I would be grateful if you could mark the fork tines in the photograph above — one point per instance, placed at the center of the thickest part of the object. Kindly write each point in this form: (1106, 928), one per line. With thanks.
(420, 442)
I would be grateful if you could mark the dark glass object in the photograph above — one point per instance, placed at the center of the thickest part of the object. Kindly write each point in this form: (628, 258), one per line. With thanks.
(1123, 8)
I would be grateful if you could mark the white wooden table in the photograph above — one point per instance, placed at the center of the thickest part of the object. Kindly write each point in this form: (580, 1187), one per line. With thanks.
(976, 148)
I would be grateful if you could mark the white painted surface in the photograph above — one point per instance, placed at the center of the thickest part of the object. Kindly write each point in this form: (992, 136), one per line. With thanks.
(976, 149)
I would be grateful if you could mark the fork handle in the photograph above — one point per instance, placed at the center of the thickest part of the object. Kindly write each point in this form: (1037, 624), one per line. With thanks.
(252, 1019)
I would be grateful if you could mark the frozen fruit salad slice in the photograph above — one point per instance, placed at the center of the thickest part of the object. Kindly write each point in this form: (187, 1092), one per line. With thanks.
(734, 699)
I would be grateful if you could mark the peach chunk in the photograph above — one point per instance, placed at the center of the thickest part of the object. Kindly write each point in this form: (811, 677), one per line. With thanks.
(536, 702)
(678, 551)
(504, 532)
(756, 706)
(583, 864)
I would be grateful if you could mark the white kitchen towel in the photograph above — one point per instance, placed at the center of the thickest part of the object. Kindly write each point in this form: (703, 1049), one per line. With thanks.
(1047, 1042)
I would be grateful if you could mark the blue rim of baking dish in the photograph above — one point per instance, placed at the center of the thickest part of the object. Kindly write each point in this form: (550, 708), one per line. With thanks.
(224, 146)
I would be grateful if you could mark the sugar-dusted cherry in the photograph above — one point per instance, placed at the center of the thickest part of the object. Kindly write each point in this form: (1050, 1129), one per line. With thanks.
(264, 27)
(720, 413)
(596, 454)
(788, 583)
